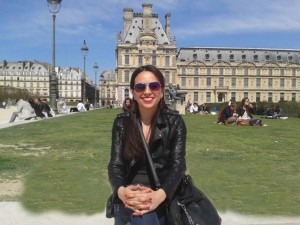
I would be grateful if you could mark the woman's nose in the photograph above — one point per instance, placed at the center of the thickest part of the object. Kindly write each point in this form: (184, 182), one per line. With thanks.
(147, 90)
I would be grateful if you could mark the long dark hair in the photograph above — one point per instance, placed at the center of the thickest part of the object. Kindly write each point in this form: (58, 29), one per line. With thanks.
(131, 138)
(248, 110)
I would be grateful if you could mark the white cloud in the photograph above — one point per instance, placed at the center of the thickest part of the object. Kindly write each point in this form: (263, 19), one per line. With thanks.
(250, 16)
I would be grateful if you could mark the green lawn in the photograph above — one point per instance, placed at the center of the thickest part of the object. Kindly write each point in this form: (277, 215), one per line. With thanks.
(250, 170)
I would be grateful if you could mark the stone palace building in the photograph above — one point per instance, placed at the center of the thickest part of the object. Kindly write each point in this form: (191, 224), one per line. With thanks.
(208, 75)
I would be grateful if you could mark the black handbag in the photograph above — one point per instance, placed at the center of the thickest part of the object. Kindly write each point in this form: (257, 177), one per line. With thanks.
(109, 207)
(190, 206)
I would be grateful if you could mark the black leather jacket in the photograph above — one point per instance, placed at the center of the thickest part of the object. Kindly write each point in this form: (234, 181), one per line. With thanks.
(167, 149)
(240, 111)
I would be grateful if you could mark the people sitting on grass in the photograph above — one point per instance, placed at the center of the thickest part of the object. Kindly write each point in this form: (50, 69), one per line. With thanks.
(228, 114)
(73, 109)
(3, 105)
(87, 106)
(274, 112)
(24, 111)
(81, 107)
(204, 109)
(194, 109)
(37, 110)
(245, 112)
(44, 110)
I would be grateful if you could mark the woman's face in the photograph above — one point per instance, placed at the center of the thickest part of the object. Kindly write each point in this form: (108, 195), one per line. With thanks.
(247, 102)
(127, 103)
(147, 91)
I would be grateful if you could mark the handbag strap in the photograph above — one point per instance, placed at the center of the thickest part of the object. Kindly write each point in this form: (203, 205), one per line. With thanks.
(148, 155)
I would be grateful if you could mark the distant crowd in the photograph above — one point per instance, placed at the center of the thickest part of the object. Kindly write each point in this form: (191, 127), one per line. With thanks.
(31, 109)
(240, 115)
(202, 109)
(231, 114)
(243, 114)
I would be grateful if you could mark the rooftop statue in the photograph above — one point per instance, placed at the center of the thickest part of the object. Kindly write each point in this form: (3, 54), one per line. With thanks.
(175, 93)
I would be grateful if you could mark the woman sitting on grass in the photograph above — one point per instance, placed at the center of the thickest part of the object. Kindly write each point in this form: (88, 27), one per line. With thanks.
(245, 112)
(228, 115)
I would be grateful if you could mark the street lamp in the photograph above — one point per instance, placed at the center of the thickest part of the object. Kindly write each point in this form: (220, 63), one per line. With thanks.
(54, 7)
(100, 89)
(96, 68)
(84, 52)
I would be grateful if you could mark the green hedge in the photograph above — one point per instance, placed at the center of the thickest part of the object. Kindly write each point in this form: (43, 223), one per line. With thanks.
(290, 109)
(8, 94)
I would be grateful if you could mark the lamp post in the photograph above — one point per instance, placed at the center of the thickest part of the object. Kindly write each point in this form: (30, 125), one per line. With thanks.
(100, 89)
(54, 7)
(96, 68)
(84, 52)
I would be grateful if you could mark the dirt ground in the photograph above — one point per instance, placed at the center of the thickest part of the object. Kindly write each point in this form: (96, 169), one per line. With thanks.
(10, 188)
(14, 213)
(5, 114)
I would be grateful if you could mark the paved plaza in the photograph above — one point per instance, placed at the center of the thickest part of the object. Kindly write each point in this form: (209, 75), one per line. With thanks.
(12, 213)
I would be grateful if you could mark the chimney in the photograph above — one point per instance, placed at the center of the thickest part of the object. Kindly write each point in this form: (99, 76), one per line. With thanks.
(128, 15)
(167, 28)
(147, 17)
(147, 10)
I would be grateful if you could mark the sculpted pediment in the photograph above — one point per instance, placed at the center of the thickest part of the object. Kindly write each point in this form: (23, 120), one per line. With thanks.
(246, 64)
(221, 64)
(147, 39)
(292, 65)
(196, 63)
(268, 64)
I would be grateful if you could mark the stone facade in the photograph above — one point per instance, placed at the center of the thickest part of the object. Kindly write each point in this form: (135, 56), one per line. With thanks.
(108, 89)
(35, 77)
(32, 76)
(144, 41)
(208, 75)
(221, 74)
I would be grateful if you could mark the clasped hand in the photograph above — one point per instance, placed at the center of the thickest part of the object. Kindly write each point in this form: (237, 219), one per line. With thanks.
(141, 199)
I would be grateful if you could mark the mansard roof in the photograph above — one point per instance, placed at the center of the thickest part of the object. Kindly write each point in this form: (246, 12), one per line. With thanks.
(239, 55)
(109, 75)
(136, 28)
(24, 66)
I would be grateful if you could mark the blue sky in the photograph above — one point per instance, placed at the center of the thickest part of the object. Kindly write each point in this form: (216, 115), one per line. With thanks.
(26, 28)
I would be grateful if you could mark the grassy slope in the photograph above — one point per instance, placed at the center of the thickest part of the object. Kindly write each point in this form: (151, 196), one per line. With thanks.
(250, 170)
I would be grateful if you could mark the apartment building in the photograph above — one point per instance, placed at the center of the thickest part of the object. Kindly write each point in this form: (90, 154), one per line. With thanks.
(35, 77)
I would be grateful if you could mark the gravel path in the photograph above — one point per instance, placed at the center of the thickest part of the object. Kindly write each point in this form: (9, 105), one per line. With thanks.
(12, 213)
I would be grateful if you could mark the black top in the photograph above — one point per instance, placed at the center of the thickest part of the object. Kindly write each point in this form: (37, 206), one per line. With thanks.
(141, 176)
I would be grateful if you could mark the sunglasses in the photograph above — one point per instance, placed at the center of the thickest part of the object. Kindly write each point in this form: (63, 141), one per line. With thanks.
(141, 87)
